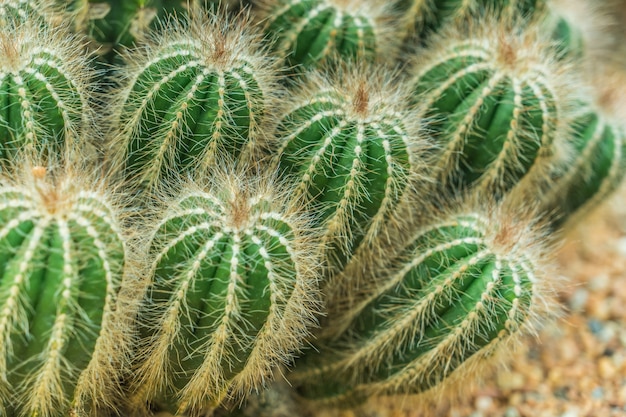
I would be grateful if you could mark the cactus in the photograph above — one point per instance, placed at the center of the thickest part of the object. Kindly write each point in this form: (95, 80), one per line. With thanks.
(460, 289)
(230, 271)
(112, 24)
(353, 146)
(598, 163)
(498, 101)
(233, 294)
(308, 32)
(45, 90)
(196, 96)
(61, 259)
(23, 10)
(423, 17)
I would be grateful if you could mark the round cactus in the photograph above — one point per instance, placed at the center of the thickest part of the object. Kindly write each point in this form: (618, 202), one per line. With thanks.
(233, 295)
(598, 163)
(112, 24)
(24, 10)
(45, 90)
(498, 101)
(353, 147)
(426, 16)
(459, 289)
(308, 32)
(61, 259)
(198, 95)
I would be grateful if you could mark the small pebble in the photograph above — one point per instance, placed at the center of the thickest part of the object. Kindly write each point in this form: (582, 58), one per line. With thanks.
(597, 393)
(573, 412)
(606, 368)
(599, 283)
(595, 326)
(511, 412)
(484, 403)
(621, 246)
(578, 300)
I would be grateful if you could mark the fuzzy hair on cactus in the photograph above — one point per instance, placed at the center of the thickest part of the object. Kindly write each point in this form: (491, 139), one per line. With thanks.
(434, 312)
(499, 102)
(598, 163)
(581, 28)
(309, 32)
(112, 24)
(353, 148)
(61, 259)
(36, 11)
(233, 294)
(197, 95)
(424, 16)
(45, 88)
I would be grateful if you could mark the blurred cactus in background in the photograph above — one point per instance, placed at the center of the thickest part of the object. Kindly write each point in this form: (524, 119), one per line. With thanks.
(198, 198)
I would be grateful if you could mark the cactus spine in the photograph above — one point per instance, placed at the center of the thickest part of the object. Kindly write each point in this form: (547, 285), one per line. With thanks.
(459, 289)
(497, 100)
(352, 145)
(232, 296)
(44, 85)
(309, 32)
(61, 259)
(198, 95)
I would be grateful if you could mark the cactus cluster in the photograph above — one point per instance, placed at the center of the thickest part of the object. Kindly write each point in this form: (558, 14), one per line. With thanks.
(197, 200)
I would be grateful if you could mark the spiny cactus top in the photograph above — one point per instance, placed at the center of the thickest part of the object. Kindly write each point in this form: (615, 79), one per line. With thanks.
(308, 32)
(61, 259)
(498, 101)
(199, 94)
(44, 90)
(352, 145)
(233, 294)
(461, 287)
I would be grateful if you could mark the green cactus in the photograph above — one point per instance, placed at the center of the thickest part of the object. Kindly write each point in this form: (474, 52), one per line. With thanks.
(498, 101)
(458, 291)
(197, 96)
(426, 16)
(24, 10)
(61, 259)
(353, 147)
(308, 32)
(597, 168)
(233, 295)
(112, 24)
(45, 90)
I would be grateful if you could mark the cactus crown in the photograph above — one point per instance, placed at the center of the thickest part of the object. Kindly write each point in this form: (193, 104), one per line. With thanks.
(499, 102)
(352, 144)
(235, 264)
(61, 257)
(45, 78)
